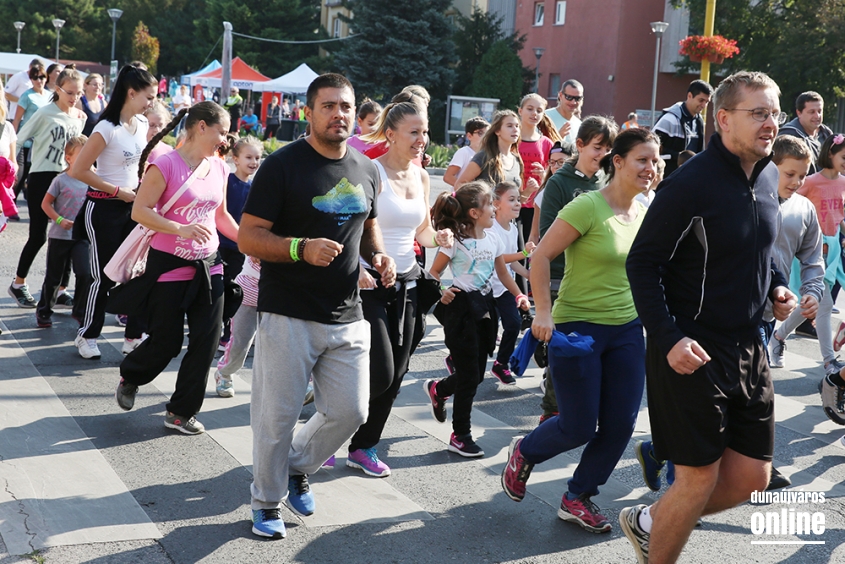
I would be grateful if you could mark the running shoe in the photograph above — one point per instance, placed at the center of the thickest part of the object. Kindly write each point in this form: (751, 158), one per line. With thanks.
(309, 394)
(807, 329)
(366, 459)
(839, 339)
(629, 520)
(516, 472)
(130, 345)
(329, 463)
(300, 499)
(670, 472)
(125, 395)
(221, 346)
(583, 512)
(541, 356)
(121, 319)
(450, 365)
(777, 481)
(438, 404)
(268, 523)
(833, 400)
(776, 350)
(87, 347)
(187, 425)
(527, 320)
(465, 446)
(651, 467)
(223, 385)
(43, 322)
(64, 301)
(833, 367)
(501, 372)
(546, 416)
(22, 296)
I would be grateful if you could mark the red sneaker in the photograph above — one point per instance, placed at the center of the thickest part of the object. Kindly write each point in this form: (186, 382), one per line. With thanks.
(516, 472)
(584, 512)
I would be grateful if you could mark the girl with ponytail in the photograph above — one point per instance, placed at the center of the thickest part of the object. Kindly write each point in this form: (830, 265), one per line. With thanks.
(115, 145)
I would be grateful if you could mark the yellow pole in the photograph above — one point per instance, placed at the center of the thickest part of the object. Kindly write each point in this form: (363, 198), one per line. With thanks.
(709, 21)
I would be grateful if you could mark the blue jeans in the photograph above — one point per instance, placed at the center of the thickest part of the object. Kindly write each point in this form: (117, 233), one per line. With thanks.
(598, 396)
(511, 325)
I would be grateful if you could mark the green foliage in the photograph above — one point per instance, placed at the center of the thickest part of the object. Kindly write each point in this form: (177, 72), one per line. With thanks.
(400, 42)
(499, 75)
(271, 145)
(145, 47)
(87, 29)
(441, 155)
(799, 43)
(474, 37)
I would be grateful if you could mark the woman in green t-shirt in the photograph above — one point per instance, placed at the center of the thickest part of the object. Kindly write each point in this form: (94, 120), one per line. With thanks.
(598, 394)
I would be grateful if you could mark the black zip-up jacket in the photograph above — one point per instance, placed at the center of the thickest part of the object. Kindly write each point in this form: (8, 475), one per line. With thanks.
(701, 266)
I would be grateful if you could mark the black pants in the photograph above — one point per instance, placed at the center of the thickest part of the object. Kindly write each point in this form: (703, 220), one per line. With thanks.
(233, 263)
(60, 253)
(270, 131)
(388, 360)
(106, 224)
(39, 183)
(24, 163)
(169, 303)
(511, 325)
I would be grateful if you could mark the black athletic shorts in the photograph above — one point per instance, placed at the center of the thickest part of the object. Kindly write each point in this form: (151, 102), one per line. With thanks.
(727, 403)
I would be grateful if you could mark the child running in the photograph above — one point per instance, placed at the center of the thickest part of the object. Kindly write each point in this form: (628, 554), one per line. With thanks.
(367, 117)
(475, 129)
(467, 309)
(534, 150)
(507, 206)
(62, 203)
(244, 324)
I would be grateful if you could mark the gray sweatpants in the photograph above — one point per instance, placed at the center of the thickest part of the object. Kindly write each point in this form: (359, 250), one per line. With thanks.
(243, 327)
(287, 351)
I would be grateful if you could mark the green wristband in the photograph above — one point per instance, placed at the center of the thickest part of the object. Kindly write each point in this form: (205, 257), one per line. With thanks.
(294, 245)
(525, 252)
(59, 220)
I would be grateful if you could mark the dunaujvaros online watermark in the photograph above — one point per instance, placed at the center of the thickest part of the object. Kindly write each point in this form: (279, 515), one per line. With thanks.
(795, 519)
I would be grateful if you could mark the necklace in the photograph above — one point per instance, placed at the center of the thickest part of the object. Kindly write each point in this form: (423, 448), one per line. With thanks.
(190, 166)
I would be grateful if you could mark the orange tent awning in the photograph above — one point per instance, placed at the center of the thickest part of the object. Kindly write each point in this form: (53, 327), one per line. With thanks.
(243, 76)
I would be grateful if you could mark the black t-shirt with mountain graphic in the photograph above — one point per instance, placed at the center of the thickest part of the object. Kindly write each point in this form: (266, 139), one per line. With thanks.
(306, 194)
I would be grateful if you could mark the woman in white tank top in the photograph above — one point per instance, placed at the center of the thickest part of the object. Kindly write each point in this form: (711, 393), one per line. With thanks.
(403, 217)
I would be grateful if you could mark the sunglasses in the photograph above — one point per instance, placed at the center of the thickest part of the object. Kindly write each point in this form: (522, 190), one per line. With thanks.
(573, 98)
(42, 77)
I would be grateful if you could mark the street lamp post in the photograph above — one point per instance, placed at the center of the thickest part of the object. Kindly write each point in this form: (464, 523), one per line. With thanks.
(658, 28)
(19, 27)
(114, 14)
(538, 52)
(58, 24)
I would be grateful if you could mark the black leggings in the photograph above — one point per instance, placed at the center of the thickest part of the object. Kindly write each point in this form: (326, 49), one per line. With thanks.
(388, 360)
(167, 313)
(39, 183)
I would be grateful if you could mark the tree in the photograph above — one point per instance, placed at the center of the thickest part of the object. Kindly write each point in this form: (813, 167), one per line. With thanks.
(474, 37)
(145, 47)
(499, 75)
(799, 43)
(397, 43)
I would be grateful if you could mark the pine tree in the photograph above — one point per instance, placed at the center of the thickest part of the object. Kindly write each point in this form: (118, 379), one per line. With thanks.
(499, 75)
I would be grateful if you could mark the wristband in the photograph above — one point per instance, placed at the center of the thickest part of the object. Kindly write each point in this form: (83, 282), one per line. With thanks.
(59, 220)
(300, 250)
(294, 246)
(116, 190)
(525, 253)
(434, 240)
(521, 296)
(372, 256)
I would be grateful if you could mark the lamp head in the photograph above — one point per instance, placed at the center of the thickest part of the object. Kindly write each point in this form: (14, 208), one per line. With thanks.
(58, 24)
(115, 14)
(658, 28)
(538, 52)
(19, 25)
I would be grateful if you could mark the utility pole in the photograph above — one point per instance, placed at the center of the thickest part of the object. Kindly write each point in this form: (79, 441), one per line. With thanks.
(226, 77)
(709, 23)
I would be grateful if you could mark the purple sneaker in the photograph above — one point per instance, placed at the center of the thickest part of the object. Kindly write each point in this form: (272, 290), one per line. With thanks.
(367, 460)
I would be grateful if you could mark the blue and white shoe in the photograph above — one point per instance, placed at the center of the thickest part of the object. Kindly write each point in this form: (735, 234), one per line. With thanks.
(651, 467)
(300, 499)
(268, 523)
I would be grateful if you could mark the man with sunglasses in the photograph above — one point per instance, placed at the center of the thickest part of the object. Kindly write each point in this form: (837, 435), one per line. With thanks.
(681, 127)
(17, 85)
(567, 115)
(710, 395)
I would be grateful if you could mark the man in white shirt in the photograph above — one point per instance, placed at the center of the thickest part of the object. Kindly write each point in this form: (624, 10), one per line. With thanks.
(17, 85)
(566, 116)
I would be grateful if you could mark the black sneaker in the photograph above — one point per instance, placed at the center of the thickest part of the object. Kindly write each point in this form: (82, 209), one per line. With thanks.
(807, 329)
(438, 404)
(501, 372)
(777, 481)
(22, 296)
(64, 301)
(125, 395)
(527, 320)
(465, 446)
(43, 322)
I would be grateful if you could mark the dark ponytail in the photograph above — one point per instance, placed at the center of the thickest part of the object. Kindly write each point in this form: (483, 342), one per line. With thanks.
(451, 211)
(130, 77)
(155, 140)
(623, 144)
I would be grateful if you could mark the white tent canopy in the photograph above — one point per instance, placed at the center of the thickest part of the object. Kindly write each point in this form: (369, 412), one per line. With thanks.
(10, 63)
(294, 82)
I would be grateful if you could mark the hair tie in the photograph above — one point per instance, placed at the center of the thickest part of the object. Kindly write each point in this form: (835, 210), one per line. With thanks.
(453, 194)
(838, 139)
(556, 150)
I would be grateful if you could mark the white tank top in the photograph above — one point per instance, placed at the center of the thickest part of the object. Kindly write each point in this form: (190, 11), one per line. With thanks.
(398, 219)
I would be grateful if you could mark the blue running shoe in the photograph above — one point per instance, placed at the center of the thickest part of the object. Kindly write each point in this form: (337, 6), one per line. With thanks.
(268, 523)
(300, 498)
(651, 467)
(670, 472)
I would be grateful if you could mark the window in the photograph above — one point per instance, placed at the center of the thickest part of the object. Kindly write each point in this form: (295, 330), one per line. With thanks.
(539, 13)
(554, 85)
(337, 24)
(560, 12)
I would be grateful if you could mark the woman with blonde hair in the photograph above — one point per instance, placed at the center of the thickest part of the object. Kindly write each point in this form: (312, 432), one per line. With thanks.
(92, 102)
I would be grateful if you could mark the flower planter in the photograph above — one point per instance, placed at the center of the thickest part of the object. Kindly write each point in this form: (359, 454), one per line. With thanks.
(695, 58)
(716, 59)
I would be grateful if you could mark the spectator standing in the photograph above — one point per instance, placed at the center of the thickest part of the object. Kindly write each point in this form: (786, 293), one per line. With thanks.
(681, 127)
(631, 123)
(274, 118)
(235, 106)
(19, 83)
(809, 107)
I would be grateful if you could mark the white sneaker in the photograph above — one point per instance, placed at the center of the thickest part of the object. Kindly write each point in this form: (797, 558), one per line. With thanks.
(224, 386)
(130, 345)
(87, 347)
(776, 349)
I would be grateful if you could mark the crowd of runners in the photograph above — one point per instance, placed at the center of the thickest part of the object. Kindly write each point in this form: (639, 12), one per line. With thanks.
(315, 254)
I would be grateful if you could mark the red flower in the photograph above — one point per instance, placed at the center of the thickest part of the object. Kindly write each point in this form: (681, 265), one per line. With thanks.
(702, 47)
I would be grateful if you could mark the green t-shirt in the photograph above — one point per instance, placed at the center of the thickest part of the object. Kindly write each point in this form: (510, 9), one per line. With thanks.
(595, 285)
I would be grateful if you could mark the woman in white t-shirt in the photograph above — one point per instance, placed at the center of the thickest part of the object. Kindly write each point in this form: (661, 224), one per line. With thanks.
(115, 145)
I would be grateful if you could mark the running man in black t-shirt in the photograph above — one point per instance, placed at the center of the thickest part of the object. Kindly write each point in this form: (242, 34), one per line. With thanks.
(310, 215)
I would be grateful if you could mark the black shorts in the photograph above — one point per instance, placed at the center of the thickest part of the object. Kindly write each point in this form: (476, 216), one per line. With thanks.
(727, 403)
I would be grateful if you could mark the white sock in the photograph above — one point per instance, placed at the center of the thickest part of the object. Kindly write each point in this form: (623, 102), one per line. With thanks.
(60, 292)
(645, 520)
(18, 286)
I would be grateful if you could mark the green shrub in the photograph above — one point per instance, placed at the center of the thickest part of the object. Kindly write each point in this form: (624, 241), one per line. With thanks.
(169, 140)
(441, 155)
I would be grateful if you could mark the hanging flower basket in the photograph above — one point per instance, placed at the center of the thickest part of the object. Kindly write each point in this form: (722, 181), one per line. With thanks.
(714, 48)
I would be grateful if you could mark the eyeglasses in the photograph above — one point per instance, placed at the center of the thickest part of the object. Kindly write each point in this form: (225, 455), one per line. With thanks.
(71, 94)
(573, 98)
(762, 114)
(557, 163)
